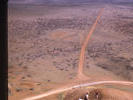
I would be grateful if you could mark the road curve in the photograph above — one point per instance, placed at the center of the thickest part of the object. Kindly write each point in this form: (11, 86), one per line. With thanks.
(80, 70)
(77, 86)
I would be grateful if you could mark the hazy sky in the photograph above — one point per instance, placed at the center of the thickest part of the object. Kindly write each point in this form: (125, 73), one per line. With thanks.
(64, 1)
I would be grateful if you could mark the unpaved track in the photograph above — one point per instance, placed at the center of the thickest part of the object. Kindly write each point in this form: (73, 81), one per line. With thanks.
(82, 52)
(76, 86)
(81, 76)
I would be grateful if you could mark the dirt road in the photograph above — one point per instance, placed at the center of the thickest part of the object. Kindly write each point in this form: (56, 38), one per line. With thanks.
(80, 70)
(82, 53)
(76, 86)
(80, 75)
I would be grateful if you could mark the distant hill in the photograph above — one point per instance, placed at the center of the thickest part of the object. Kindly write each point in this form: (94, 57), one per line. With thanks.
(67, 1)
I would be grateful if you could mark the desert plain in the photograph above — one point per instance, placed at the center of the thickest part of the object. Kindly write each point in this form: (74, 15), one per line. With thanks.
(45, 43)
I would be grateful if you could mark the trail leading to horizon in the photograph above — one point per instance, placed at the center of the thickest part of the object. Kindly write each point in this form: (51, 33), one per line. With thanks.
(82, 52)
(81, 76)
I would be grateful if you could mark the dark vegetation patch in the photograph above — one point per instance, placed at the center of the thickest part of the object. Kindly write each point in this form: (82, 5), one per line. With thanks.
(48, 48)
(98, 50)
(125, 27)
(125, 3)
(40, 25)
(51, 24)
(120, 66)
(31, 31)
(66, 64)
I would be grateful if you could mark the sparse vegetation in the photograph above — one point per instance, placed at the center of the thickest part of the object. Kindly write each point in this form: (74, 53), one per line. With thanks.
(36, 55)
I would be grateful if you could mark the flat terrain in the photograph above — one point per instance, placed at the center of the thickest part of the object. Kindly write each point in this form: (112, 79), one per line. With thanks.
(45, 43)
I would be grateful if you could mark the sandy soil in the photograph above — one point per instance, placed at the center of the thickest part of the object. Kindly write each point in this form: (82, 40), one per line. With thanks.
(44, 46)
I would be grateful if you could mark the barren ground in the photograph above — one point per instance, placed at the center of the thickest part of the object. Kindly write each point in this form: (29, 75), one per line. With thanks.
(45, 43)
